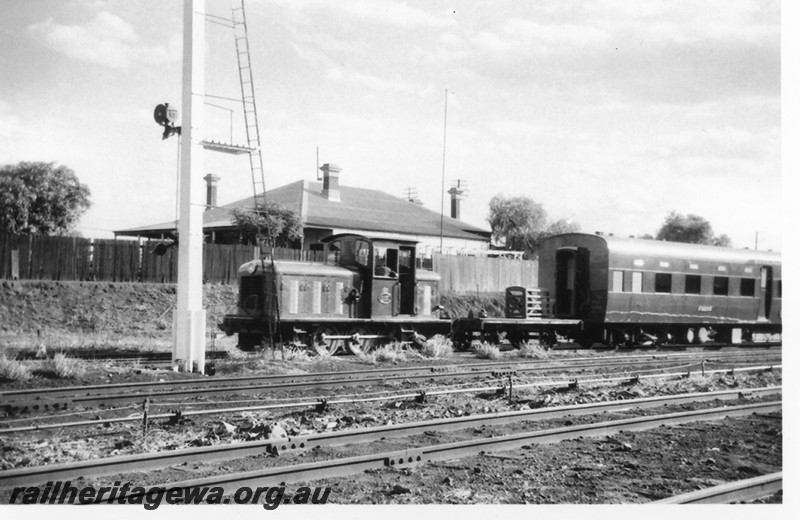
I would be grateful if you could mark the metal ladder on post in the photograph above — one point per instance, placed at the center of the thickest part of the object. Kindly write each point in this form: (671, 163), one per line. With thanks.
(249, 102)
(253, 139)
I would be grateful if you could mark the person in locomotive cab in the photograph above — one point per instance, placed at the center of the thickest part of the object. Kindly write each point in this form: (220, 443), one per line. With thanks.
(383, 270)
(333, 254)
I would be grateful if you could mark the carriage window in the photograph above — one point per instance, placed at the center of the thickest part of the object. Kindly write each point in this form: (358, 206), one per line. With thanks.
(748, 287)
(721, 285)
(616, 281)
(692, 284)
(636, 282)
(385, 262)
(362, 252)
(663, 282)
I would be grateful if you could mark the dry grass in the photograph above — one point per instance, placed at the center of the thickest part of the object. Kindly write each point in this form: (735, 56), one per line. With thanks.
(484, 350)
(14, 369)
(532, 349)
(296, 355)
(437, 347)
(55, 340)
(68, 368)
(391, 353)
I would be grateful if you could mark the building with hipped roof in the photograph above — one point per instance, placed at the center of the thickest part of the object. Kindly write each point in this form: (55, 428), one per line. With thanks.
(327, 208)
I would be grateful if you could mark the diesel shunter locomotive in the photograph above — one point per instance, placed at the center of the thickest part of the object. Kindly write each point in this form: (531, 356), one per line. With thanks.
(367, 292)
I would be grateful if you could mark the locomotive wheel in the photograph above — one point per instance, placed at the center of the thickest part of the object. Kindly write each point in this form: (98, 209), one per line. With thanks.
(360, 346)
(324, 346)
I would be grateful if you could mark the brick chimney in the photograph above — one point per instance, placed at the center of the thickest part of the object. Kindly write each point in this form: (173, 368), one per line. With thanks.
(330, 182)
(211, 190)
(456, 195)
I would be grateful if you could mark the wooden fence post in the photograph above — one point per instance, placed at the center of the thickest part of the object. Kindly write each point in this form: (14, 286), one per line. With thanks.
(15, 264)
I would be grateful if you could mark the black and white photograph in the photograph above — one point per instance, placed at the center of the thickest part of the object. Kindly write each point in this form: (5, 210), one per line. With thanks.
(282, 254)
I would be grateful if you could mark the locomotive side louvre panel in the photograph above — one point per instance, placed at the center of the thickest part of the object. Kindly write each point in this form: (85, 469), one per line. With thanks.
(306, 296)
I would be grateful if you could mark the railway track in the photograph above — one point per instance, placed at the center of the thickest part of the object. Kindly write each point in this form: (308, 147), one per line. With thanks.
(323, 402)
(275, 476)
(122, 356)
(54, 399)
(740, 491)
(150, 461)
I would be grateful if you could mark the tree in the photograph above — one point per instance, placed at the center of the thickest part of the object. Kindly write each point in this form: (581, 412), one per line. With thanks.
(515, 220)
(270, 223)
(40, 198)
(521, 224)
(690, 229)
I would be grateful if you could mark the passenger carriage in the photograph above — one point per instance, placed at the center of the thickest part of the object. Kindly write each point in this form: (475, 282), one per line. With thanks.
(629, 290)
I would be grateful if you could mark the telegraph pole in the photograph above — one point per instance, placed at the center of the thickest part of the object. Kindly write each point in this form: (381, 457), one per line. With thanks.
(188, 352)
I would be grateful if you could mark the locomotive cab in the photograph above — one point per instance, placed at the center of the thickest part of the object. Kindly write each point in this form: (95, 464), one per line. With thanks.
(387, 274)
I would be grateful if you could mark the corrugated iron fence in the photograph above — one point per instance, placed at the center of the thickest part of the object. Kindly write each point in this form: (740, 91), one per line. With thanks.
(29, 257)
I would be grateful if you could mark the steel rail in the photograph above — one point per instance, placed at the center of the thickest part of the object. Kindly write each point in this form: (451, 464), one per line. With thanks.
(542, 364)
(121, 355)
(455, 450)
(393, 397)
(740, 491)
(148, 461)
(45, 402)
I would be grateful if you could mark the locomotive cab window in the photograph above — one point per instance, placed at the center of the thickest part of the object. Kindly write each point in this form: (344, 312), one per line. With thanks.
(747, 287)
(663, 282)
(693, 284)
(405, 260)
(334, 252)
(362, 253)
(721, 285)
(386, 262)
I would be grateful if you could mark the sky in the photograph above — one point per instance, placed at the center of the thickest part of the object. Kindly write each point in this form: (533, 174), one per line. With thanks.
(609, 113)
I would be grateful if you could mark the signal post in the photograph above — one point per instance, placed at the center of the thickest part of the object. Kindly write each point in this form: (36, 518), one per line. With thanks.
(189, 325)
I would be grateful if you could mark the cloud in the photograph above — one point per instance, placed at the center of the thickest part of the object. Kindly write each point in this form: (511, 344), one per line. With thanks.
(316, 53)
(388, 13)
(674, 53)
(106, 40)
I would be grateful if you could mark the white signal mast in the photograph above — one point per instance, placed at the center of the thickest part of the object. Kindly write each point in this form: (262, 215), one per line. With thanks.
(188, 352)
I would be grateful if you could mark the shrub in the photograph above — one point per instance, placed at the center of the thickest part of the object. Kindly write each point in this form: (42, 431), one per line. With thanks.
(68, 368)
(14, 369)
(484, 350)
(438, 347)
(532, 349)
